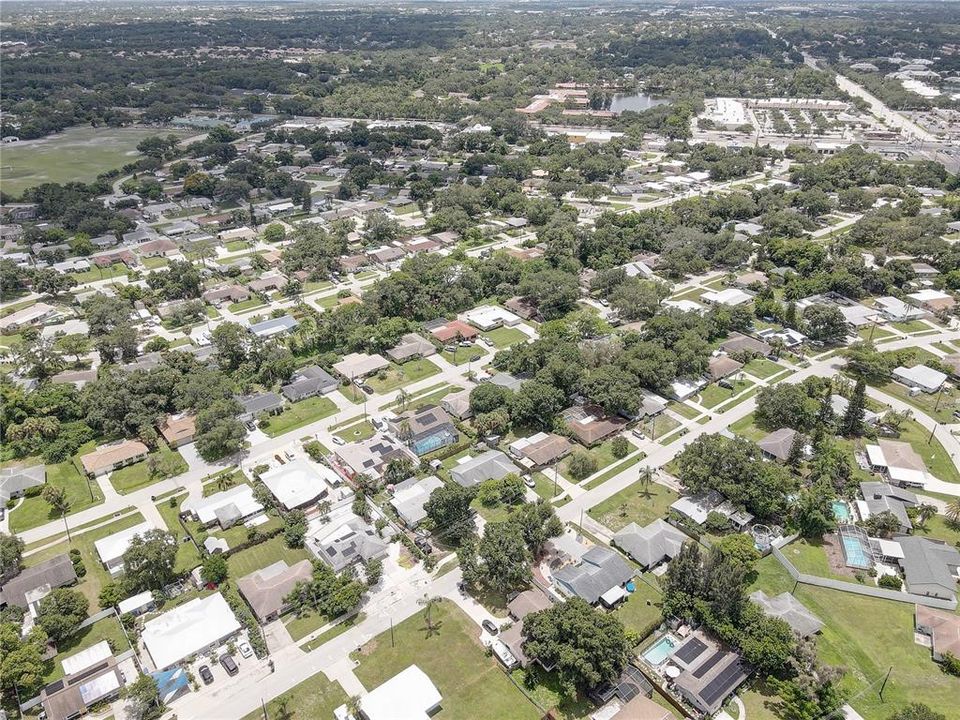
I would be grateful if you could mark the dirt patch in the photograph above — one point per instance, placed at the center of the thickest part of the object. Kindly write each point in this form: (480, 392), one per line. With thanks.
(367, 649)
(831, 546)
(406, 560)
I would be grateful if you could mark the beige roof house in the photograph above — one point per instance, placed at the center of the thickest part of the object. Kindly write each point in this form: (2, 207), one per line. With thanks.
(265, 590)
(179, 429)
(109, 457)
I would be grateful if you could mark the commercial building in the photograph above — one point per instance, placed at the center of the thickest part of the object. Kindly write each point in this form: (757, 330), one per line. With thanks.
(193, 628)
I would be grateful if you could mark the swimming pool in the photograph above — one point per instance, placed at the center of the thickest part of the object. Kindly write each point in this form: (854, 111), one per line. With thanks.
(856, 555)
(841, 511)
(660, 650)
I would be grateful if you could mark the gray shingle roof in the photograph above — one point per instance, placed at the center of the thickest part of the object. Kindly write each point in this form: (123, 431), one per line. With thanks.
(599, 570)
(652, 544)
(786, 607)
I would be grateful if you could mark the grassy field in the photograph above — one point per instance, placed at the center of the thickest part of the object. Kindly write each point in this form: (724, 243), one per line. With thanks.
(472, 684)
(763, 368)
(356, 432)
(77, 153)
(298, 414)
(504, 337)
(634, 504)
(641, 611)
(712, 395)
(399, 375)
(266, 553)
(96, 576)
(865, 636)
(34, 511)
(133, 477)
(100, 273)
(315, 697)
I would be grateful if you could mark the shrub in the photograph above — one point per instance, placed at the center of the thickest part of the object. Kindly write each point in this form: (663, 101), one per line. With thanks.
(582, 465)
(890, 582)
(619, 447)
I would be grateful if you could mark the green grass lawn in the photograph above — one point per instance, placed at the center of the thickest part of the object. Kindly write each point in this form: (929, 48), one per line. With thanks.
(544, 690)
(746, 428)
(465, 355)
(810, 558)
(96, 576)
(133, 477)
(98, 273)
(911, 326)
(431, 398)
(503, 337)
(300, 627)
(763, 368)
(634, 504)
(188, 556)
(235, 246)
(333, 632)
(937, 459)
(602, 453)
(152, 263)
(14, 307)
(245, 305)
(471, 683)
(874, 334)
(34, 511)
(712, 395)
(107, 629)
(660, 426)
(397, 376)
(683, 410)
(939, 406)
(316, 697)
(266, 553)
(544, 485)
(641, 612)
(614, 470)
(356, 432)
(298, 414)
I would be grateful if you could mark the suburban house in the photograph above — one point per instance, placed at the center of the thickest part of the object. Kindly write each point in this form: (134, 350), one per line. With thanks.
(354, 541)
(299, 483)
(697, 508)
(194, 628)
(309, 381)
(651, 545)
(490, 317)
(708, 673)
(933, 301)
(226, 508)
(111, 548)
(839, 405)
(598, 577)
(590, 425)
(778, 444)
(425, 429)
(740, 344)
(897, 310)
(409, 695)
(273, 326)
(17, 479)
(108, 458)
(27, 588)
(359, 365)
(90, 677)
(722, 366)
(25, 317)
(266, 403)
(930, 567)
(137, 604)
(179, 429)
(943, 629)
(454, 330)
(410, 496)
(233, 293)
(265, 590)
(731, 297)
(411, 346)
(879, 497)
(920, 376)
(457, 404)
(491, 464)
(370, 456)
(787, 608)
(540, 450)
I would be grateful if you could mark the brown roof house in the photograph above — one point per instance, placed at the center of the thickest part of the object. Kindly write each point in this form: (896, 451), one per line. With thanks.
(524, 308)
(108, 458)
(722, 366)
(590, 425)
(179, 429)
(739, 343)
(778, 444)
(265, 590)
(943, 629)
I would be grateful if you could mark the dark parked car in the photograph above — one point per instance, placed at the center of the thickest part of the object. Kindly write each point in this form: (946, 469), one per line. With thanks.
(490, 627)
(206, 675)
(424, 546)
(229, 664)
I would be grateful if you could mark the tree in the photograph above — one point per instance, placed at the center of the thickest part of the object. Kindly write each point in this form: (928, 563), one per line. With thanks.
(825, 323)
(449, 510)
(373, 571)
(739, 550)
(852, 423)
(150, 560)
(504, 556)
(218, 431)
(619, 447)
(883, 524)
(917, 711)
(74, 344)
(215, 569)
(812, 515)
(924, 511)
(144, 698)
(295, 529)
(487, 397)
(587, 647)
(22, 665)
(56, 497)
(61, 612)
(428, 603)
(953, 511)
(11, 554)
(582, 464)
(111, 594)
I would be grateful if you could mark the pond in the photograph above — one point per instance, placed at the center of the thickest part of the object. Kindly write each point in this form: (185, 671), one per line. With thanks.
(637, 102)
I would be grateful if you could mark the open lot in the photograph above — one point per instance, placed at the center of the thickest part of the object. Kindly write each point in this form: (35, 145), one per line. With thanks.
(472, 685)
(315, 697)
(77, 153)
(504, 337)
(399, 375)
(634, 504)
(266, 553)
(712, 395)
(298, 414)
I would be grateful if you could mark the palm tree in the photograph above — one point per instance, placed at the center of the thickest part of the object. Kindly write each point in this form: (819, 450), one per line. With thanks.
(403, 397)
(283, 708)
(56, 498)
(428, 602)
(925, 511)
(646, 479)
(953, 511)
(353, 706)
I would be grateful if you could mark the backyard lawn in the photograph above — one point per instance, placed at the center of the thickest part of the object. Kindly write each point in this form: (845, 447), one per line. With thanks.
(634, 504)
(168, 463)
(504, 337)
(712, 395)
(262, 555)
(96, 576)
(763, 368)
(298, 414)
(471, 683)
(315, 697)
(107, 629)
(399, 375)
(810, 558)
(641, 612)
(34, 511)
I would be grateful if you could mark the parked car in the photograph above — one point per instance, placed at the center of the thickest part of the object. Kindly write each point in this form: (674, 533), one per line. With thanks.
(637, 433)
(424, 546)
(337, 440)
(245, 649)
(528, 481)
(490, 627)
(289, 455)
(367, 389)
(487, 341)
(206, 675)
(465, 343)
(229, 664)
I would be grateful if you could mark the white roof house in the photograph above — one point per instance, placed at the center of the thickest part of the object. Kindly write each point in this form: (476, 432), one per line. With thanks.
(730, 297)
(358, 365)
(920, 376)
(875, 456)
(137, 602)
(684, 305)
(111, 548)
(189, 630)
(299, 482)
(897, 310)
(489, 317)
(408, 695)
(225, 507)
(86, 658)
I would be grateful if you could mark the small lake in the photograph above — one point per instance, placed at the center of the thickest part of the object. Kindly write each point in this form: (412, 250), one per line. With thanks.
(637, 102)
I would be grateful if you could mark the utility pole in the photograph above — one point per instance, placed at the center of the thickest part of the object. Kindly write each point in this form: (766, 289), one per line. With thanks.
(932, 431)
(939, 395)
(391, 632)
(264, 706)
(884, 684)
